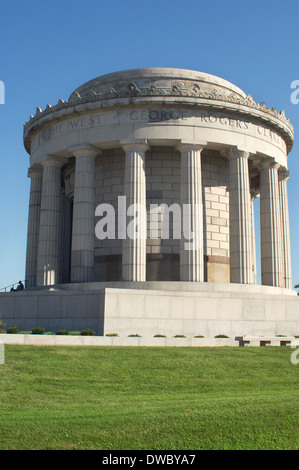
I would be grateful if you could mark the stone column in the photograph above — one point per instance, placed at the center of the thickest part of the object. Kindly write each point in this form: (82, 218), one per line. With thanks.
(83, 235)
(48, 266)
(271, 240)
(239, 218)
(134, 246)
(191, 249)
(286, 246)
(253, 244)
(36, 176)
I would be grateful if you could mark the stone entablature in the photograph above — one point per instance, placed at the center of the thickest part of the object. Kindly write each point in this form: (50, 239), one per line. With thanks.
(179, 125)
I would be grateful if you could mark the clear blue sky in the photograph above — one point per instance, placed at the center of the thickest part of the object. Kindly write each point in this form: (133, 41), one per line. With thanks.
(48, 48)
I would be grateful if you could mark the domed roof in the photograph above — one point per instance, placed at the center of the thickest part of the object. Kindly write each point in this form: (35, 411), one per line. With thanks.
(158, 80)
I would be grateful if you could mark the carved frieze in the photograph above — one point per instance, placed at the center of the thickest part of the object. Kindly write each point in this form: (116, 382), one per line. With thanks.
(181, 88)
(203, 92)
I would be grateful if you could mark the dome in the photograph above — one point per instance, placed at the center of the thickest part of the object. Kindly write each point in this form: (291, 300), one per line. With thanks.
(155, 80)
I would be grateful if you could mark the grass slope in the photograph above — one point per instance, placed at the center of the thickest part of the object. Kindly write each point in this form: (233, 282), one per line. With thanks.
(148, 398)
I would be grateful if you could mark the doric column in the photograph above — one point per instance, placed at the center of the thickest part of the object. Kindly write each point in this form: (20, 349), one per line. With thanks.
(271, 240)
(191, 248)
(134, 243)
(286, 246)
(36, 176)
(48, 266)
(253, 241)
(239, 218)
(83, 234)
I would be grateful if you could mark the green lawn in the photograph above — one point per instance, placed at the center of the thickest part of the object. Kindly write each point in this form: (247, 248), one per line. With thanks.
(148, 398)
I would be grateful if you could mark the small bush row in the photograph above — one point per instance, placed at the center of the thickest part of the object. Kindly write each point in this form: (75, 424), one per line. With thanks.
(165, 336)
(41, 331)
(88, 332)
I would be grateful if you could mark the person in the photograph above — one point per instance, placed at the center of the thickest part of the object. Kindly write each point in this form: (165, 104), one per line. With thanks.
(20, 286)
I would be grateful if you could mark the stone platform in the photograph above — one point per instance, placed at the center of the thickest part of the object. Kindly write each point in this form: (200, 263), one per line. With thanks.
(152, 308)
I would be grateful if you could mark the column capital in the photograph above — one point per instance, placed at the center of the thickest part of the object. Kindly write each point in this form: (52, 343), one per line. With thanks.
(35, 172)
(84, 150)
(266, 164)
(283, 175)
(135, 145)
(234, 152)
(51, 160)
(254, 193)
(190, 146)
(275, 165)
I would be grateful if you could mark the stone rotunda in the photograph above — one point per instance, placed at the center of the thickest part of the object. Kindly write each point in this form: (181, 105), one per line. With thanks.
(171, 137)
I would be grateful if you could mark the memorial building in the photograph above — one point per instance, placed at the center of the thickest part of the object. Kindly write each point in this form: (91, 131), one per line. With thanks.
(152, 143)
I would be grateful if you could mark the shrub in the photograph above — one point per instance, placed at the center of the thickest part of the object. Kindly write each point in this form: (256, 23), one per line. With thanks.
(221, 336)
(179, 336)
(38, 331)
(87, 332)
(160, 336)
(111, 334)
(62, 332)
(13, 330)
(136, 335)
(199, 336)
